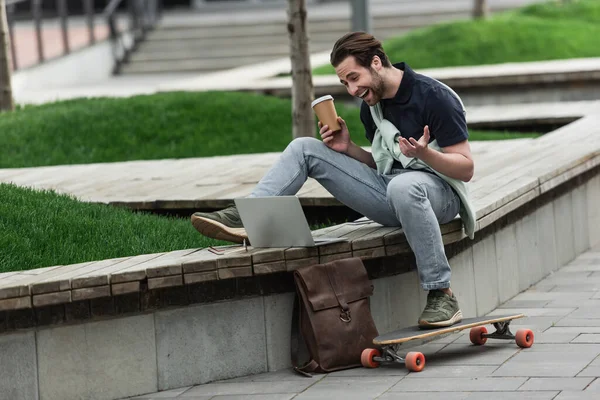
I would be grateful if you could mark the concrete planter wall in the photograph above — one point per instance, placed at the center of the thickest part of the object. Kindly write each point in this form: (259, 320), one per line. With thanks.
(170, 348)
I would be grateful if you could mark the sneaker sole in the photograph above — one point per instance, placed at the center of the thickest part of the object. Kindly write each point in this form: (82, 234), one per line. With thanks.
(442, 324)
(217, 230)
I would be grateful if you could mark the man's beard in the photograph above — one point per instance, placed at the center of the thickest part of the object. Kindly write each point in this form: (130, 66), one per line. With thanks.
(377, 88)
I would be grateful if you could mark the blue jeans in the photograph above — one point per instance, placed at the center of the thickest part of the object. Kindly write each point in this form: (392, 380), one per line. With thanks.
(415, 200)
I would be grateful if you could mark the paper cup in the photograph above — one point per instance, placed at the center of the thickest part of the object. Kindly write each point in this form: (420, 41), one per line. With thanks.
(325, 110)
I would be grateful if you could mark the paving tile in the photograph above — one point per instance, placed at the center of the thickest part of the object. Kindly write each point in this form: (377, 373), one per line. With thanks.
(284, 375)
(167, 394)
(586, 312)
(542, 384)
(278, 396)
(246, 388)
(594, 387)
(583, 322)
(577, 395)
(524, 304)
(591, 371)
(468, 354)
(535, 295)
(535, 312)
(545, 363)
(455, 371)
(348, 388)
(513, 395)
(410, 384)
(566, 302)
(425, 395)
(587, 338)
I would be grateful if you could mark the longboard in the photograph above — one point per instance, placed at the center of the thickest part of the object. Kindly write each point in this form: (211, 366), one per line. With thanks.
(415, 361)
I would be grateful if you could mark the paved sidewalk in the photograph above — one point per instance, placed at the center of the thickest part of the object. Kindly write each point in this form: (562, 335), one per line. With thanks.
(564, 362)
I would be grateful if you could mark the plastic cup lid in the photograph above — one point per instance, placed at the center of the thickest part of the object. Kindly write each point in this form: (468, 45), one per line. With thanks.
(320, 99)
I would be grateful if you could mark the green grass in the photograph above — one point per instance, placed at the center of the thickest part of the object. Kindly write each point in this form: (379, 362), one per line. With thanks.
(41, 229)
(547, 31)
(165, 125)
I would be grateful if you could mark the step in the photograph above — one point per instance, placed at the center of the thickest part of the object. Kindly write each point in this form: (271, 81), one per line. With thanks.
(193, 65)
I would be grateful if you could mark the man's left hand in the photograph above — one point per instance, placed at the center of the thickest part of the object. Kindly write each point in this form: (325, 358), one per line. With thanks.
(415, 148)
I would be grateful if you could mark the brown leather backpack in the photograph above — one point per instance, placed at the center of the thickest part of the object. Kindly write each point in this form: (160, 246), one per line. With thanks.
(332, 312)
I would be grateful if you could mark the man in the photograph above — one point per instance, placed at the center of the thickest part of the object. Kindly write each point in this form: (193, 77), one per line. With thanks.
(414, 176)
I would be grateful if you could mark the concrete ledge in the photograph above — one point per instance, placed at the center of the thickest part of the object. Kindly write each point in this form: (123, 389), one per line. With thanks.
(171, 342)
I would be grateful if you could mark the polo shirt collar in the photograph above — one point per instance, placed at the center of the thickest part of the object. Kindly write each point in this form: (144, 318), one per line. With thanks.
(405, 90)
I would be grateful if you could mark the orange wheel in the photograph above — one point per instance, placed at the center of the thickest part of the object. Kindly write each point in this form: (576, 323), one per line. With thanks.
(366, 358)
(415, 361)
(524, 338)
(476, 335)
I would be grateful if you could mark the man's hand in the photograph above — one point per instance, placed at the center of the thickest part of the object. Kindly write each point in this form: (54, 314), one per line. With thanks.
(338, 141)
(415, 148)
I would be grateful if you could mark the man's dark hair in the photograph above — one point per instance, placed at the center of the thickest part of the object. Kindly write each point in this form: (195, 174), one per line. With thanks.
(362, 46)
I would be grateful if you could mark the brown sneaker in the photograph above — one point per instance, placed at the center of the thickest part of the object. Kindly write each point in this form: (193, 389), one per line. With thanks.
(222, 225)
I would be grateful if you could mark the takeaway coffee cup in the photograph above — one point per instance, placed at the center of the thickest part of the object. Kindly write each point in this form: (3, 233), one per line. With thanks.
(326, 113)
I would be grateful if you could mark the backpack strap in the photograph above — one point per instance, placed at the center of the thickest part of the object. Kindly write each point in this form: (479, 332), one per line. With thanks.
(312, 365)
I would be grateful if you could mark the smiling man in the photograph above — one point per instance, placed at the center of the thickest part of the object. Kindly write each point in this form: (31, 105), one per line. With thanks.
(413, 177)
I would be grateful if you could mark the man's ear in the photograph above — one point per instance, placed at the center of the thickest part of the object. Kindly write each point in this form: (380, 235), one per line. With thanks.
(376, 63)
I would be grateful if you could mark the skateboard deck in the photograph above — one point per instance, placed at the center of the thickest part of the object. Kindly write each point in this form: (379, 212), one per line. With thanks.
(415, 361)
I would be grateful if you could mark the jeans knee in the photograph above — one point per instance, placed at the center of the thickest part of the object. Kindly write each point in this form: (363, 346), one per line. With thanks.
(303, 144)
(404, 190)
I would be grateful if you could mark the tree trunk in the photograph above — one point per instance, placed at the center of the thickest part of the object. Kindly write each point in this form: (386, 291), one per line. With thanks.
(6, 99)
(480, 9)
(303, 119)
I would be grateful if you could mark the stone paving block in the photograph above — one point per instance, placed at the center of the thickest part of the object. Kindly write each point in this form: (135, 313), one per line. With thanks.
(576, 395)
(286, 375)
(425, 395)
(545, 363)
(507, 263)
(278, 322)
(410, 384)
(486, 275)
(348, 388)
(278, 396)
(556, 384)
(547, 239)
(585, 313)
(528, 251)
(584, 322)
(167, 394)
(102, 360)
(197, 345)
(547, 395)
(493, 353)
(581, 233)
(563, 216)
(538, 296)
(524, 304)
(590, 349)
(463, 282)
(433, 370)
(587, 338)
(534, 312)
(590, 371)
(18, 363)
(246, 388)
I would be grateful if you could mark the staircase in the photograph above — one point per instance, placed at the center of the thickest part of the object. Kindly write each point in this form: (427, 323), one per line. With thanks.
(203, 42)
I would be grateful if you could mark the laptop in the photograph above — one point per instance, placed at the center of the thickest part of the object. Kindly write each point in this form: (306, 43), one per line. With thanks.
(277, 221)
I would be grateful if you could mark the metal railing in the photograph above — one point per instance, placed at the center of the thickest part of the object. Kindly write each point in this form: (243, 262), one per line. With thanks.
(142, 15)
(37, 18)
